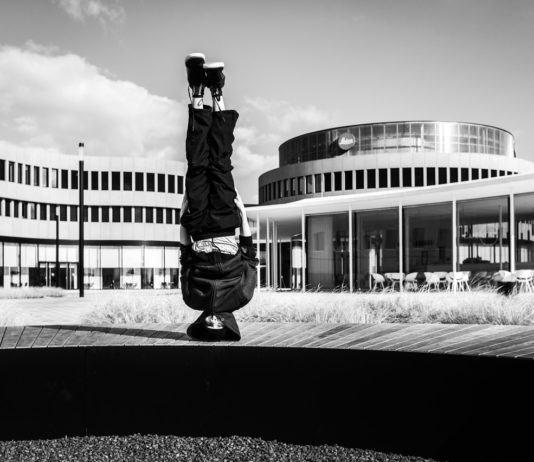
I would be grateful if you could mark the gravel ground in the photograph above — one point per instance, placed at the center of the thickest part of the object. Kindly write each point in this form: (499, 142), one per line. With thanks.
(156, 448)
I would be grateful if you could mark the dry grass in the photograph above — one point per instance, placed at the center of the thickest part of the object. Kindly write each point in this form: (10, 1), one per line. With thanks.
(478, 307)
(31, 292)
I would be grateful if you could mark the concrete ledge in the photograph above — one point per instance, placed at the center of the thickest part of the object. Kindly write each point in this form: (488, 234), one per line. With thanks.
(445, 406)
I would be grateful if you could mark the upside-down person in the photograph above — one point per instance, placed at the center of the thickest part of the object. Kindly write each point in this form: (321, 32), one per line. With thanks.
(218, 274)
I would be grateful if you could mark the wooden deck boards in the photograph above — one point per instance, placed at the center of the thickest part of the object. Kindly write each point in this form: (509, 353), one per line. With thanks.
(471, 340)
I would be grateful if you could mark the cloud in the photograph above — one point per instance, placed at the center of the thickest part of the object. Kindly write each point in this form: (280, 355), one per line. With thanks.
(104, 11)
(264, 124)
(50, 102)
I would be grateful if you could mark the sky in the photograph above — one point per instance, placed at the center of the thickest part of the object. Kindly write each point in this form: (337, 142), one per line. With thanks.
(111, 72)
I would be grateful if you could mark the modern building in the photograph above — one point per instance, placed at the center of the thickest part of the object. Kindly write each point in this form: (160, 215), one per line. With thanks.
(402, 197)
(131, 219)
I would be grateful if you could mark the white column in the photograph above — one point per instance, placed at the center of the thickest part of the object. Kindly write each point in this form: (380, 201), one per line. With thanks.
(511, 233)
(258, 246)
(454, 244)
(302, 253)
(276, 272)
(267, 254)
(351, 268)
(401, 249)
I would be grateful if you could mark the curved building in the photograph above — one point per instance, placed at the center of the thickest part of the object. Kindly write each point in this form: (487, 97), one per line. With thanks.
(131, 216)
(400, 197)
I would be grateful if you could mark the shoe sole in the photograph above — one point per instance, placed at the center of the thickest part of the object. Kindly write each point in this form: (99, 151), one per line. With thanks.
(209, 66)
(195, 56)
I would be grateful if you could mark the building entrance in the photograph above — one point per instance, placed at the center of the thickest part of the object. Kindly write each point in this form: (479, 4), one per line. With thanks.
(68, 275)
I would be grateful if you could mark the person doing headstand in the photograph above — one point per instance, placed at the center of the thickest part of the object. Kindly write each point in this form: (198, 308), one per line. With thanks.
(218, 275)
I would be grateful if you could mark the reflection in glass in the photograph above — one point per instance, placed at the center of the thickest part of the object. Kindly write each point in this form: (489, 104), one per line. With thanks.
(524, 227)
(483, 234)
(427, 238)
(375, 245)
(328, 251)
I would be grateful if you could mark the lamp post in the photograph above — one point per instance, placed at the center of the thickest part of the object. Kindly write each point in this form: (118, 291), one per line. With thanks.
(80, 220)
(56, 217)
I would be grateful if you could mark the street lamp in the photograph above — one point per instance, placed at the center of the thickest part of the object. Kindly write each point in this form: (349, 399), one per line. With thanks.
(80, 219)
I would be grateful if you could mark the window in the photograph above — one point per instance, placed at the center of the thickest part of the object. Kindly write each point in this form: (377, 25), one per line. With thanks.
(42, 212)
(63, 212)
(138, 212)
(85, 213)
(406, 177)
(16, 209)
(94, 214)
(105, 214)
(454, 175)
(2, 169)
(44, 177)
(19, 172)
(74, 179)
(493, 173)
(464, 174)
(442, 175)
(139, 183)
(359, 179)
(170, 183)
(11, 172)
(127, 218)
(371, 178)
(8, 208)
(24, 209)
(430, 176)
(27, 174)
(33, 211)
(293, 189)
(149, 215)
(85, 180)
(150, 182)
(309, 184)
(419, 180)
(168, 216)
(176, 216)
(94, 181)
(105, 181)
(328, 182)
(395, 177)
(501, 173)
(54, 180)
(318, 183)
(484, 173)
(348, 179)
(53, 212)
(116, 214)
(64, 179)
(337, 181)
(300, 186)
(127, 178)
(115, 181)
(159, 215)
(35, 176)
(383, 178)
(180, 184)
(161, 182)
(73, 213)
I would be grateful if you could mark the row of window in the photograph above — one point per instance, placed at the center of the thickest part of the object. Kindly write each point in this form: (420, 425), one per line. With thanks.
(92, 213)
(371, 179)
(68, 179)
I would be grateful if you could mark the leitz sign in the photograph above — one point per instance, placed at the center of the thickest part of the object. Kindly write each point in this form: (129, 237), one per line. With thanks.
(346, 141)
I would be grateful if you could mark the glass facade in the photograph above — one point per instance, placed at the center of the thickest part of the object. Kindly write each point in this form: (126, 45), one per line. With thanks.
(483, 235)
(327, 238)
(375, 245)
(524, 227)
(417, 136)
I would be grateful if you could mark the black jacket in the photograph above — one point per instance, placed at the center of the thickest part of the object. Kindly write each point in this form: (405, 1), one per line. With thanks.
(219, 282)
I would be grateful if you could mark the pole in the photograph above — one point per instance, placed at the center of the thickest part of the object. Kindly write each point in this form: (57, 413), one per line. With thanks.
(57, 246)
(80, 220)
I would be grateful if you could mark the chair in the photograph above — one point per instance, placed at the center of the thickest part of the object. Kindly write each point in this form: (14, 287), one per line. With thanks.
(524, 281)
(378, 279)
(442, 275)
(465, 280)
(457, 281)
(410, 281)
(394, 279)
(431, 281)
